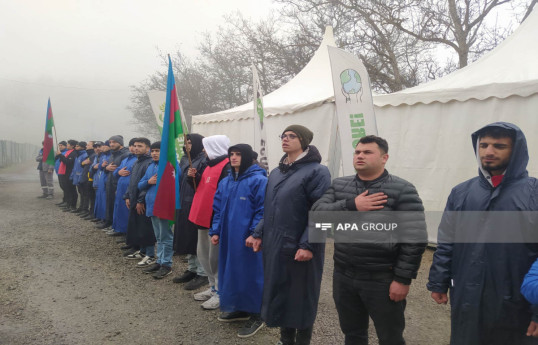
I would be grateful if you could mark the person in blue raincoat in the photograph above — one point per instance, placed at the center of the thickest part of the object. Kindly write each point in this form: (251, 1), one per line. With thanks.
(482, 257)
(100, 183)
(123, 174)
(238, 208)
(529, 289)
(292, 265)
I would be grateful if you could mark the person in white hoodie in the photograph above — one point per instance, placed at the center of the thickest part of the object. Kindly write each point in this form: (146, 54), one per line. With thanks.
(207, 179)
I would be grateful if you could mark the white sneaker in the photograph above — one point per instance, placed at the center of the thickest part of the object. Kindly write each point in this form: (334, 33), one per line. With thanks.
(204, 295)
(212, 303)
(146, 261)
(136, 255)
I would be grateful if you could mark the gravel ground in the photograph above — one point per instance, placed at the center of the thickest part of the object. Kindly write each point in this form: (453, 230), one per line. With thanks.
(64, 282)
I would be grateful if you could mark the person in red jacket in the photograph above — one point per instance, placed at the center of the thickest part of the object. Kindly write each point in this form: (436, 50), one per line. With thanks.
(207, 179)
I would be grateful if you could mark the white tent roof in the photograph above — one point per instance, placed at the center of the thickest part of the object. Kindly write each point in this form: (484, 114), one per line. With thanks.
(309, 88)
(511, 69)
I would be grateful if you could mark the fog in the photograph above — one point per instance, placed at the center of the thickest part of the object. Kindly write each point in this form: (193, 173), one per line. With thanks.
(84, 55)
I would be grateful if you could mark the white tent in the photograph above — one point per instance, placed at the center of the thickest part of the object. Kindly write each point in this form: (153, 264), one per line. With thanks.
(428, 127)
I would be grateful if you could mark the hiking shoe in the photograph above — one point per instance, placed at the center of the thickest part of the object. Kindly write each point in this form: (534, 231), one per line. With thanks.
(234, 316)
(187, 276)
(162, 272)
(152, 269)
(204, 295)
(212, 303)
(146, 261)
(250, 327)
(135, 255)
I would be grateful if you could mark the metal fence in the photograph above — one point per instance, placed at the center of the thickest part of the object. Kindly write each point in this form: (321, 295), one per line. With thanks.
(12, 153)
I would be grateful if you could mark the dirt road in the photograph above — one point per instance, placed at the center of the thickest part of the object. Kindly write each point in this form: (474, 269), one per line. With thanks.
(64, 282)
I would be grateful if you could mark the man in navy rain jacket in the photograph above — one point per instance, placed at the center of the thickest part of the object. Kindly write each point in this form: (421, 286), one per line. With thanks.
(484, 274)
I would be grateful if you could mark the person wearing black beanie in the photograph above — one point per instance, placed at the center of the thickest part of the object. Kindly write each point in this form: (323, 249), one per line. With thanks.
(238, 207)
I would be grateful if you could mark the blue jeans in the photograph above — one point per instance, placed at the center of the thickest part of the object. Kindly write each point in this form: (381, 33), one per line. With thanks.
(165, 240)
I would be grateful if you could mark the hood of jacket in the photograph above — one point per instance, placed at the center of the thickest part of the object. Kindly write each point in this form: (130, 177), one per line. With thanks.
(517, 166)
(247, 158)
(196, 144)
(312, 156)
(216, 146)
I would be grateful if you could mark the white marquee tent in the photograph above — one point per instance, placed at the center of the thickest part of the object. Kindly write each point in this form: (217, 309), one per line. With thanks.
(428, 127)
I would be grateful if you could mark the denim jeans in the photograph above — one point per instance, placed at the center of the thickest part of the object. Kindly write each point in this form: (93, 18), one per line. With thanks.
(165, 240)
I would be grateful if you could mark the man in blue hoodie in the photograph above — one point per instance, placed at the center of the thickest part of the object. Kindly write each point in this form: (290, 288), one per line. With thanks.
(483, 255)
(161, 227)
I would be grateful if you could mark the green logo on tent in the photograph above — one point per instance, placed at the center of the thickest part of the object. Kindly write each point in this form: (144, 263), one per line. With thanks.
(351, 84)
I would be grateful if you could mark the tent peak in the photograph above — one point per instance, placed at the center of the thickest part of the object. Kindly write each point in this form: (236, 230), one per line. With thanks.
(328, 37)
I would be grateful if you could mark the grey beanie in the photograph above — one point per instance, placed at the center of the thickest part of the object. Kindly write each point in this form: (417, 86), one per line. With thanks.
(117, 138)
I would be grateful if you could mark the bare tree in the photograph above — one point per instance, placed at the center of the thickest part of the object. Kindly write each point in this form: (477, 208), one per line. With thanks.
(460, 25)
(394, 59)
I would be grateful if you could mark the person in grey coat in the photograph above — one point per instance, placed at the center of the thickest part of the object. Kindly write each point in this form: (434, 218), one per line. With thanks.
(373, 271)
(292, 265)
(46, 173)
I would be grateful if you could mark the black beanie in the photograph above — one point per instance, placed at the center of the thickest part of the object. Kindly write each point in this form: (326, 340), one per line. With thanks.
(305, 135)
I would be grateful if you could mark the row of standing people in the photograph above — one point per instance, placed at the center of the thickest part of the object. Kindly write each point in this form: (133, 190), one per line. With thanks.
(234, 214)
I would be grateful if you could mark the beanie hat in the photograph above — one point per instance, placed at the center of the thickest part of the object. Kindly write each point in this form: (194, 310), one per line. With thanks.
(82, 144)
(156, 145)
(305, 135)
(106, 143)
(117, 138)
(63, 142)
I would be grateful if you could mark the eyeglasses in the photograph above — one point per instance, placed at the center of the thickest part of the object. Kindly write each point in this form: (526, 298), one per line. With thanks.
(288, 136)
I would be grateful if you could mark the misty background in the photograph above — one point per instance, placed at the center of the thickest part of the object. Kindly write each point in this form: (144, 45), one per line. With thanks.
(96, 59)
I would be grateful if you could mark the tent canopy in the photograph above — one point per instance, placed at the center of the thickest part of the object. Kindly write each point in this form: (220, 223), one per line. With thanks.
(508, 70)
(310, 88)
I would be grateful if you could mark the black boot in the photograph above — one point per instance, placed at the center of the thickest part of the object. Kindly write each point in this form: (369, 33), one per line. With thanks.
(287, 336)
(303, 336)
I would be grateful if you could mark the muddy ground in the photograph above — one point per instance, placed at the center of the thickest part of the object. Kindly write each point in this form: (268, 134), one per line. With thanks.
(64, 282)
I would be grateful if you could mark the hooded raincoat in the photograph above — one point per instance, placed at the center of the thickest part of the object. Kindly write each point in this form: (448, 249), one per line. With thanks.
(99, 183)
(121, 212)
(484, 278)
(291, 288)
(238, 208)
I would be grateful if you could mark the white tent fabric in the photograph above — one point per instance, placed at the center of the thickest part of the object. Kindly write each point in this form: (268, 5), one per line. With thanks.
(428, 127)
(510, 69)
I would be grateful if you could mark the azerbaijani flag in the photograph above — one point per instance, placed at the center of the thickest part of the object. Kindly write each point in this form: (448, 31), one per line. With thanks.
(167, 197)
(48, 147)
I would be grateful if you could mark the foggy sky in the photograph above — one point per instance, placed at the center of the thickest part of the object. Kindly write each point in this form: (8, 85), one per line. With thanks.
(84, 55)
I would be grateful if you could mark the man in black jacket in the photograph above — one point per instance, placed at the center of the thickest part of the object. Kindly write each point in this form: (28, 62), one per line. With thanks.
(67, 161)
(372, 279)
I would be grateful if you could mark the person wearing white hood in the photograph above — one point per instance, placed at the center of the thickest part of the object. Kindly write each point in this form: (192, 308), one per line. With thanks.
(207, 179)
